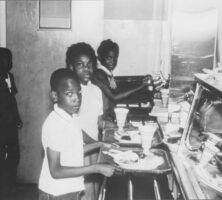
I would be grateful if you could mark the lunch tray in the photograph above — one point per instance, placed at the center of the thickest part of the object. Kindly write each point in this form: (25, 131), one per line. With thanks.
(163, 167)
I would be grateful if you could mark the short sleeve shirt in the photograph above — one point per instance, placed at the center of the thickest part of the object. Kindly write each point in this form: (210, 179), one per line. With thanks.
(61, 132)
(91, 108)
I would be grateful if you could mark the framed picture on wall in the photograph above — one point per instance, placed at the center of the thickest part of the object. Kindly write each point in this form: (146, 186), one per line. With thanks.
(55, 14)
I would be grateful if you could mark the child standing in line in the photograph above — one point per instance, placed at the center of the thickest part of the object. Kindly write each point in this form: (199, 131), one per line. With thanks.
(10, 122)
(63, 169)
(81, 59)
(108, 53)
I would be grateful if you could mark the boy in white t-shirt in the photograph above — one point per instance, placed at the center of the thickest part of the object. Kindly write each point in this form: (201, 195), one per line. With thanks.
(63, 168)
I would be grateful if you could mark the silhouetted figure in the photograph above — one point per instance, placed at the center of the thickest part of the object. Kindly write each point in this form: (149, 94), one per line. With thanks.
(10, 121)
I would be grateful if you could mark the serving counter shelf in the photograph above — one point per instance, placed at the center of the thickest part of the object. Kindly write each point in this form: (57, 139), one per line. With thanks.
(188, 178)
(192, 179)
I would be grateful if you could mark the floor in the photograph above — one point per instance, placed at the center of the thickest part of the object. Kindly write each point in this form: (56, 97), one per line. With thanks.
(143, 188)
(22, 192)
(115, 189)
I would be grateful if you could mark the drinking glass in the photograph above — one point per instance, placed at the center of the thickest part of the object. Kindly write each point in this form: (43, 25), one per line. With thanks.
(165, 97)
(121, 114)
(147, 131)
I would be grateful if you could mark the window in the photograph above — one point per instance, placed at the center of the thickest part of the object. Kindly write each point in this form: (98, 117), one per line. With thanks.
(54, 14)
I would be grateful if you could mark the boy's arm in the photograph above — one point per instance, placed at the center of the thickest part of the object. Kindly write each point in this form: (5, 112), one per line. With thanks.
(88, 148)
(116, 97)
(95, 146)
(104, 123)
(58, 171)
(87, 139)
(101, 122)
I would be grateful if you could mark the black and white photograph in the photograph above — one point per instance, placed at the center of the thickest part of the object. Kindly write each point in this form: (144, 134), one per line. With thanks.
(110, 99)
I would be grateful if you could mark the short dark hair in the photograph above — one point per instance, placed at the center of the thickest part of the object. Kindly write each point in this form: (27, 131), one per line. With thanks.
(5, 53)
(78, 49)
(106, 46)
(59, 75)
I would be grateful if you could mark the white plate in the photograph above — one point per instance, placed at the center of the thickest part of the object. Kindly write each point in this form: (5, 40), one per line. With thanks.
(127, 157)
(148, 163)
(122, 156)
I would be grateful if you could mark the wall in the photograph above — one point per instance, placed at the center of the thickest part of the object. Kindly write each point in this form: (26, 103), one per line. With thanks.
(36, 53)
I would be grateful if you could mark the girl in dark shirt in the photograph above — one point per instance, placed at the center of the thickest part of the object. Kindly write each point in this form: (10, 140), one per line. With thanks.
(108, 53)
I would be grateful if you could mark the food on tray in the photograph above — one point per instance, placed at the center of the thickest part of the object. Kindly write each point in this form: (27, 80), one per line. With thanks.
(130, 160)
(127, 157)
(147, 163)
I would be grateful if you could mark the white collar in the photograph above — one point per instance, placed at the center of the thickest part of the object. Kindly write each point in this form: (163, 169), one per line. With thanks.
(105, 70)
(63, 114)
(87, 85)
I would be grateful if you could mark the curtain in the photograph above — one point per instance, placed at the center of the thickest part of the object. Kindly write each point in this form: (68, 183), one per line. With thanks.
(141, 28)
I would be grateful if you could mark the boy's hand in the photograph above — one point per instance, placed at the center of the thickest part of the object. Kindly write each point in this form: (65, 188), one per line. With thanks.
(107, 169)
(110, 145)
(147, 79)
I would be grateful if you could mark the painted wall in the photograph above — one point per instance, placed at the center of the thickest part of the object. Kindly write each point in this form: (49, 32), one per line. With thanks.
(36, 53)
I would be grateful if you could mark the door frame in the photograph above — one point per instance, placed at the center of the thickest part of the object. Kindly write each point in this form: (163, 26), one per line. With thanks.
(3, 23)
